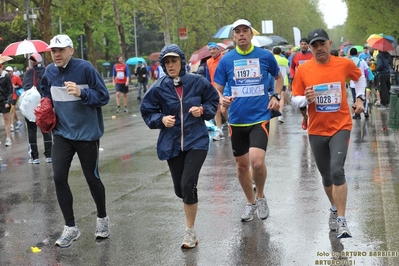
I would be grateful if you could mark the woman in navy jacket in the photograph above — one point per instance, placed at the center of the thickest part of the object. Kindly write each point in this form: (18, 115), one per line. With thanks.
(178, 104)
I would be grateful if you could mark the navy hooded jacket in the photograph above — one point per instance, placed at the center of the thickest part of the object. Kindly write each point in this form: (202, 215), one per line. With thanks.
(384, 63)
(189, 132)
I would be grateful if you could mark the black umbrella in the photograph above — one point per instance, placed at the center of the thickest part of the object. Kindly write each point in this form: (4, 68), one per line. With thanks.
(277, 40)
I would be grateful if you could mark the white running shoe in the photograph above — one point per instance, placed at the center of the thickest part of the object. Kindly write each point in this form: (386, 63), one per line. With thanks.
(69, 234)
(263, 209)
(342, 229)
(248, 214)
(8, 142)
(19, 125)
(102, 226)
(190, 239)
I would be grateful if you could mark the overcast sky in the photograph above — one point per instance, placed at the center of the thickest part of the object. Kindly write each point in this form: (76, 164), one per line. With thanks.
(334, 11)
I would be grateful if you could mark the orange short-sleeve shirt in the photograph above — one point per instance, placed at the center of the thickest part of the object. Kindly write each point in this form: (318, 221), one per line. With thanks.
(327, 119)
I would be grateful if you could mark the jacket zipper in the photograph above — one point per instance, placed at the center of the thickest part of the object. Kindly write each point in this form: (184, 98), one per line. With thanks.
(181, 118)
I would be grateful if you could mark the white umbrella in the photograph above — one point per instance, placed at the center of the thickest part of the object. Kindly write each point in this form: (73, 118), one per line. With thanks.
(261, 41)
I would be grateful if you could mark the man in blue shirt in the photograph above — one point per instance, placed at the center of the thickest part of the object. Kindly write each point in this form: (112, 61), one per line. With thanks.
(365, 54)
(246, 69)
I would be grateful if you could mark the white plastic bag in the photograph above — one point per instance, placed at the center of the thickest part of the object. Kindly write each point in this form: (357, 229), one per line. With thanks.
(28, 102)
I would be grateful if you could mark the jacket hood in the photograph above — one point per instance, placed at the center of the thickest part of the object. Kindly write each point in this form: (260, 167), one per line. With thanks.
(385, 54)
(173, 48)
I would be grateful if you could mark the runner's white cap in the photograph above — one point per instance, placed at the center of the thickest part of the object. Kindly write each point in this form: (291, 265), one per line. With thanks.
(241, 22)
(60, 41)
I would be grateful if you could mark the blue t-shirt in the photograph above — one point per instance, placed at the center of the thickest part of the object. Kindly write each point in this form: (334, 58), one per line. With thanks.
(248, 79)
(364, 56)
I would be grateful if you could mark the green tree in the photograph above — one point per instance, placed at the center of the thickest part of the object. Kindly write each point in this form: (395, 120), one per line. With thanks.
(157, 22)
(368, 17)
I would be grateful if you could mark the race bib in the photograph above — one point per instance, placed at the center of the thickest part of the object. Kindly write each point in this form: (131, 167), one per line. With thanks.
(120, 75)
(247, 71)
(328, 97)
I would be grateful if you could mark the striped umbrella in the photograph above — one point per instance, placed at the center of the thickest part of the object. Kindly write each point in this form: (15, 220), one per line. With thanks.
(382, 42)
(26, 47)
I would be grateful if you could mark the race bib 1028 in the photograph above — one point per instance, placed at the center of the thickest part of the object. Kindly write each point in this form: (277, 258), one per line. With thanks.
(328, 97)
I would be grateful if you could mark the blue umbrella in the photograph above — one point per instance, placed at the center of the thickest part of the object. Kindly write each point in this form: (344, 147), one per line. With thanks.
(135, 60)
(106, 64)
(225, 32)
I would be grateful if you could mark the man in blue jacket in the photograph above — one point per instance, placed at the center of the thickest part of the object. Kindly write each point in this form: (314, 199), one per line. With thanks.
(77, 92)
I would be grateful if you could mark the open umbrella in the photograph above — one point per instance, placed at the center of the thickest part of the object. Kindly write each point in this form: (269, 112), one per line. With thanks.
(226, 32)
(345, 44)
(204, 53)
(26, 47)
(382, 42)
(154, 56)
(395, 52)
(261, 41)
(4, 58)
(194, 67)
(135, 60)
(359, 48)
(277, 40)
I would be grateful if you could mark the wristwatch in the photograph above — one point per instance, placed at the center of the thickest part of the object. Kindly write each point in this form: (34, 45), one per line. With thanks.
(362, 97)
(277, 96)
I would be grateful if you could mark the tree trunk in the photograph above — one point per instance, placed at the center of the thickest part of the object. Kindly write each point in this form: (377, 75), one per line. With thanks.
(166, 37)
(90, 43)
(45, 26)
(119, 27)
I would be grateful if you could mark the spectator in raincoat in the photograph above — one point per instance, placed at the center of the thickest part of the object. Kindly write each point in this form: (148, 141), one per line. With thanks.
(32, 78)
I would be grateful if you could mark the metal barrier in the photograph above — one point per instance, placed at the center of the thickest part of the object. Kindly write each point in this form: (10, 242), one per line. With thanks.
(393, 121)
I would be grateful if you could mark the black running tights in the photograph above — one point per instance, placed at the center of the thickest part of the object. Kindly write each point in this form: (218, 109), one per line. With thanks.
(62, 153)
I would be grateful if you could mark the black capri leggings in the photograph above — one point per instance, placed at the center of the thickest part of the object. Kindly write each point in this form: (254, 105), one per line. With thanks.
(185, 169)
(330, 155)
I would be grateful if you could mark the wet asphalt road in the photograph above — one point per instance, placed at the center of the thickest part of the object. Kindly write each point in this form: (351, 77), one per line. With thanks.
(147, 220)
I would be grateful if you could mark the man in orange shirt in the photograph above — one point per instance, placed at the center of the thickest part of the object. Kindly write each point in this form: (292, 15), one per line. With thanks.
(212, 63)
(320, 85)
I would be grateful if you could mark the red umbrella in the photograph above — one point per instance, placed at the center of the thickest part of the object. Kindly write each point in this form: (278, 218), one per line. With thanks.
(154, 56)
(26, 47)
(204, 53)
